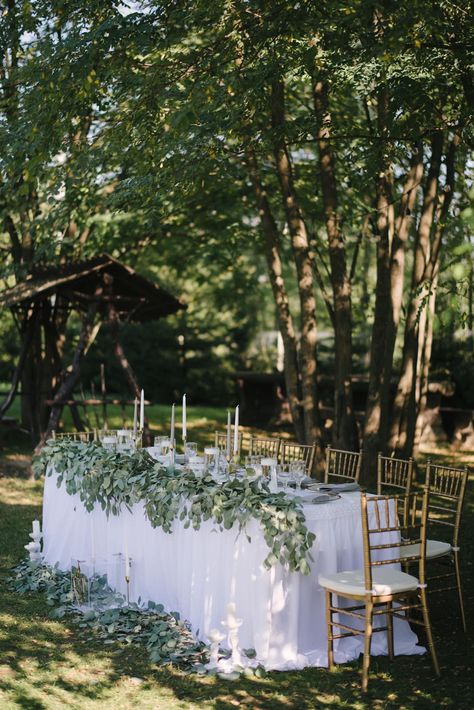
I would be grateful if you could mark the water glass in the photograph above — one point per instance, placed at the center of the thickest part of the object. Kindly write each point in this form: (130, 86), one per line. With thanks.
(190, 449)
(160, 442)
(297, 473)
(283, 473)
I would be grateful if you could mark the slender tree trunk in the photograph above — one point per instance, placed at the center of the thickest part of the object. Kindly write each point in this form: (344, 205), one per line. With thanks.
(404, 410)
(27, 338)
(379, 378)
(280, 296)
(345, 428)
(426, 345)
(304, 271)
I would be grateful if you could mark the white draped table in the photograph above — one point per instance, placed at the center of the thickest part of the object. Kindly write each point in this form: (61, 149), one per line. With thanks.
(198, 572)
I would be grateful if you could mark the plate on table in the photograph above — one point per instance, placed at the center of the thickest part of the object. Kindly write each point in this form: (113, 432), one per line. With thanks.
(325, 498)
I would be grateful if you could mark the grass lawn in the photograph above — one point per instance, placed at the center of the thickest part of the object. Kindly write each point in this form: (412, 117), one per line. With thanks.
(46, 664)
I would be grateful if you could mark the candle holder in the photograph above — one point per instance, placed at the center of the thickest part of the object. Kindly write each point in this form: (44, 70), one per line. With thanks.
(233, 625)
(80, 583)
(215, 637)
(128, 579)
(34, 547)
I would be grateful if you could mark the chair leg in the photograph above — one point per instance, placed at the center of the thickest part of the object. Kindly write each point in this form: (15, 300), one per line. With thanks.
(369, 606)
(458, 582)
(329, 627)
(390, 631)
(429, 634)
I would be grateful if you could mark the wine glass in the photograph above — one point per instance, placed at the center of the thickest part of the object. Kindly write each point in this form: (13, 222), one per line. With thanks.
(297, 472)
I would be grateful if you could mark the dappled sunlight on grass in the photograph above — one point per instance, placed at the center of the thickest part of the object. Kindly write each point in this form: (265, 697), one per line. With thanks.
(49, 664)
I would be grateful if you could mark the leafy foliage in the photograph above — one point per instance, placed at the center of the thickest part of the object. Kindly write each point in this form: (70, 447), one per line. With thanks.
(113, 480)
(166, 637)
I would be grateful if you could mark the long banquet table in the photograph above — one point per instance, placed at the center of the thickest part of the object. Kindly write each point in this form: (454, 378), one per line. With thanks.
(198, 572)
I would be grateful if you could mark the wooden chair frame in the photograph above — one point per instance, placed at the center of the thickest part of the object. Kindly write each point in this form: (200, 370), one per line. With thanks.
(394, 474)
(447, 487)
(342, 464)
(412, 508)
(220, 441)
(270, 448)
(291, 451)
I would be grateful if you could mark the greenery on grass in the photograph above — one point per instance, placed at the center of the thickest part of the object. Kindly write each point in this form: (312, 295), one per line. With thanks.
(167, 638)
(46, 663)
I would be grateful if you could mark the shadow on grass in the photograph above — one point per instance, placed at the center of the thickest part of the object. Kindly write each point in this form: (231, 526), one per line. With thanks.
(49, 664)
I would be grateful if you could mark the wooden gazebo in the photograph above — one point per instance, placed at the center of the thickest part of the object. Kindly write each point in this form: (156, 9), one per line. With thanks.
(101, 290)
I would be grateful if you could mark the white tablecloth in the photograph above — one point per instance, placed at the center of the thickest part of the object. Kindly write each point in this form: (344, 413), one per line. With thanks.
(199, 572)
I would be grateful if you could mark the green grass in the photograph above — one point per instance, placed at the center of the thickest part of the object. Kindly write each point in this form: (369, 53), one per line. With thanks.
(46, 664)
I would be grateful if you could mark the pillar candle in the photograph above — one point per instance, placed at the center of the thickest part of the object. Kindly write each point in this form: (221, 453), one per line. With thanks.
(36, 527)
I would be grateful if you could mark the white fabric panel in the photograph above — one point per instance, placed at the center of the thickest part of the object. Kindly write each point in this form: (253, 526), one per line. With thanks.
(198, 572)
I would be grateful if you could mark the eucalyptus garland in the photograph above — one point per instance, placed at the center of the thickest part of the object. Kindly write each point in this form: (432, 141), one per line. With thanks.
(166, 637)
(114, 479)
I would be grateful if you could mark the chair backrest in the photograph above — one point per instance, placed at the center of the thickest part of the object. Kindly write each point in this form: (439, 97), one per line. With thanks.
(220, 441)
(342, 464)
(402, 519)
(447, 492)
(298, 452)
(394, 473)
(264, 447)
(84, 436)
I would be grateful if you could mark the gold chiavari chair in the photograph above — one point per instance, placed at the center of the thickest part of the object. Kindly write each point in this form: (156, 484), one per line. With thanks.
(84, 436)
(298, 452)
(269, 448)
(220, 441)
(403, 518)
(447, 492)
(393, 474)
(342, 465)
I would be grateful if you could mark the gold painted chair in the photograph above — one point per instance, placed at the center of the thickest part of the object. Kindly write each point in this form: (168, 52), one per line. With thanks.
(298, 452)
(394, 474)
(447, 492)
(376, 587)
(269, 448)
(220, 441)
(343, 465)
(84, 436)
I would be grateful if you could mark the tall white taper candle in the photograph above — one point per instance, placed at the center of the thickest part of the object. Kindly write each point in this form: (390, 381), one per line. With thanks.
(228, 437)
(172, 426)
(236, 431)
(184, 417)
(135, 416)
(142, 409)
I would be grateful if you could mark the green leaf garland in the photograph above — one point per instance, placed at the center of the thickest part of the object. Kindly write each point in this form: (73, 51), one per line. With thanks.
(112, 480)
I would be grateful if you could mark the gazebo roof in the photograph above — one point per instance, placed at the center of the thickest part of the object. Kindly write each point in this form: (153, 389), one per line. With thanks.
(135, 298)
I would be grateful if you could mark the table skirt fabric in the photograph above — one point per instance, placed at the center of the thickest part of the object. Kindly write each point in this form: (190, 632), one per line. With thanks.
(198, 572)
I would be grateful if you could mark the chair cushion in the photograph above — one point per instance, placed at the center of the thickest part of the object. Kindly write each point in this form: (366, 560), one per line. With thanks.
(384, 581)
(434, 548)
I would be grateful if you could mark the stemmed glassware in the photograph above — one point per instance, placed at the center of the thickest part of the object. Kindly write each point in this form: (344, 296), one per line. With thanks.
(297, 473)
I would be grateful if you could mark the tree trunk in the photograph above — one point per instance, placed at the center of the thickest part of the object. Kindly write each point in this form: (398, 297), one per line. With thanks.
(304, 271)
(25, 348)
(280, 296)
(345, 428)
(404, 410)
(375, 417)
